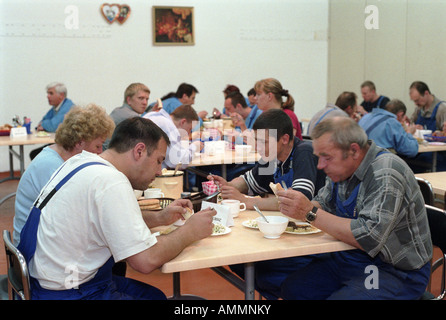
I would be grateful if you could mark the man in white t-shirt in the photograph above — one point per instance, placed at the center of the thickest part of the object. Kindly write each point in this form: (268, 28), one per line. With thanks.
(94, 220)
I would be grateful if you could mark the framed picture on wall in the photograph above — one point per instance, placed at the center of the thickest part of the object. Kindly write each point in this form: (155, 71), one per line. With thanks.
(173, 26)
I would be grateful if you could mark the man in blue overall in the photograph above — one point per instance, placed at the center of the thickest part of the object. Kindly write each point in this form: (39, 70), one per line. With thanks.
(430, 114)
(92, 219)
(372, 202)
(285, 159)
(371, 98)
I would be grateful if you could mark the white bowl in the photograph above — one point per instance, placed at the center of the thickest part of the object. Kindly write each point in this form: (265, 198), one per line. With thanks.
(275, 227)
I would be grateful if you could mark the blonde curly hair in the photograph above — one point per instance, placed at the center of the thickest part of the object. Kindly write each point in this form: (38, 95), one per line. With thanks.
(84, 124)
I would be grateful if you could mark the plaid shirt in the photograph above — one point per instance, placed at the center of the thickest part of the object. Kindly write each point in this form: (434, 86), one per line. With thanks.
(391, 217)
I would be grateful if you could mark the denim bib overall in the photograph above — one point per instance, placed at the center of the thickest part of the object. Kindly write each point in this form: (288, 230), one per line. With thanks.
(104, 284)
(429, 123)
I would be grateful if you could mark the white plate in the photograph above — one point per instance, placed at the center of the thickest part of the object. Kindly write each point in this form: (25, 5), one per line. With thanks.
(42, 135)
(316, 230)
(436, 143)
(226, 231)
(248, 224)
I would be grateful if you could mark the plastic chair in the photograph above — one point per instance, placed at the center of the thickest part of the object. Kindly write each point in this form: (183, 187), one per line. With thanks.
(426, 190)
(18, 276)
(437, 225)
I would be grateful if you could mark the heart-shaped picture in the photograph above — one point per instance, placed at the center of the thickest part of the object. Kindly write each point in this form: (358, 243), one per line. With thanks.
(124, 13)
(112, 12)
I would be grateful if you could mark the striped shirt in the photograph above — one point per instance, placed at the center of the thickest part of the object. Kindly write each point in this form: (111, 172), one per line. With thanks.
(306, 177)
(391, 217)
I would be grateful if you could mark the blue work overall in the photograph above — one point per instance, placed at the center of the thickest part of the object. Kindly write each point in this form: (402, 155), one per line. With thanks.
(287, 177)
(104, 284)
(427, 157)
(429, 123)
(343, 275)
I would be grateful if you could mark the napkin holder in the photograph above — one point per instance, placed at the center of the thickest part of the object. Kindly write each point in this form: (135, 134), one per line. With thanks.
(223, 216)
(18, 132)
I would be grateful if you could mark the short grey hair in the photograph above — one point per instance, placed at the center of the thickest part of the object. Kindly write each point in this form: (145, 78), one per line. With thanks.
(58, 86)
(394, 106)
(344, 131)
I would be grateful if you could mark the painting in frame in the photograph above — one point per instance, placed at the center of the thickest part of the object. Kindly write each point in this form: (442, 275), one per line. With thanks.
(173, 26)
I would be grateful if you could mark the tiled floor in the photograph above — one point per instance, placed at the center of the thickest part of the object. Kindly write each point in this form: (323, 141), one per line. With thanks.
(204, 283)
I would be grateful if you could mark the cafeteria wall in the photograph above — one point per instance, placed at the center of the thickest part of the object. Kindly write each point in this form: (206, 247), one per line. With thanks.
(237, 42)
(393, 44)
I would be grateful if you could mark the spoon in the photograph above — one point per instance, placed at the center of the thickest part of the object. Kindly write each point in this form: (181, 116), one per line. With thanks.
(259, 212)
(177, 167)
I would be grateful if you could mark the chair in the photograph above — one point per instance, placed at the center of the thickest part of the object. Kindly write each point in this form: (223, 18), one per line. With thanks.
(426, 190)
(18, 276)
(4, 287)
(437, 225)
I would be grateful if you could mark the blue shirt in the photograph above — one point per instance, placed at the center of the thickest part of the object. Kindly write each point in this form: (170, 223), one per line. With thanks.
(382, 127)
(170, 104)
(32, 181)
(253, 115)
(52, 119)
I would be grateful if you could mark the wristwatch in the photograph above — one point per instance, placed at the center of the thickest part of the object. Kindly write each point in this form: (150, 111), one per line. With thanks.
(311, 215)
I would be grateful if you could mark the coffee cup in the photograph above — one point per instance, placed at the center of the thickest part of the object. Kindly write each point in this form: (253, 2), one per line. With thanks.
(235, 206)
(153, 193)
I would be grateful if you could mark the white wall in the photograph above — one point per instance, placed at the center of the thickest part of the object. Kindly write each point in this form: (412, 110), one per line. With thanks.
(237, 42)
(409, 45)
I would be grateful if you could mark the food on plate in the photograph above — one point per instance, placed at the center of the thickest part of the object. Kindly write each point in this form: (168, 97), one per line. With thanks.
(42, 134)
(251, 224)
(301, 228)
(218, 229)
(149, 204)
(275, 187)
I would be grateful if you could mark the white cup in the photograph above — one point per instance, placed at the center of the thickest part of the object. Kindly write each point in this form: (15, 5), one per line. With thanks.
(235, 206)
(138, 193)
(153, 193)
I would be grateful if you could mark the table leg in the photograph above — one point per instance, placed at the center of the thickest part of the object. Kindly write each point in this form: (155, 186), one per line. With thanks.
(434, 161)
(22, 160)
(177, 290)
(13, 153)
(249, 281)
(223, 171)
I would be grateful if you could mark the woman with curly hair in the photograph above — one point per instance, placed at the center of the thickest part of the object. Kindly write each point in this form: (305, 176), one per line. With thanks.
(84, 128)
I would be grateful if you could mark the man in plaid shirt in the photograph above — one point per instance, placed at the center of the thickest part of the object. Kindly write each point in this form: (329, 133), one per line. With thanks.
(372, 202)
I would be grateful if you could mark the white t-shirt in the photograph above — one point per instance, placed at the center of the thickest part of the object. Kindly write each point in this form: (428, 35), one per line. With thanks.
(93, 216)
(176, 152)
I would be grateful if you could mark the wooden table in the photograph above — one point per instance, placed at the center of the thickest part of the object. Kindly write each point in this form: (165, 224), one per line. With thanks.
(434, 149)
(20, 142)
(438, 181)
(246, 246)
(223, 159)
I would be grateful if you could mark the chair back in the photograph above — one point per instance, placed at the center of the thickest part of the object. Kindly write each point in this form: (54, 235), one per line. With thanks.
(437, 225)
(426, 190)
(18, 276)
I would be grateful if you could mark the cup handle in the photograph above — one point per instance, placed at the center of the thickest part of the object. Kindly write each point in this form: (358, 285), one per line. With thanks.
(242, 204)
